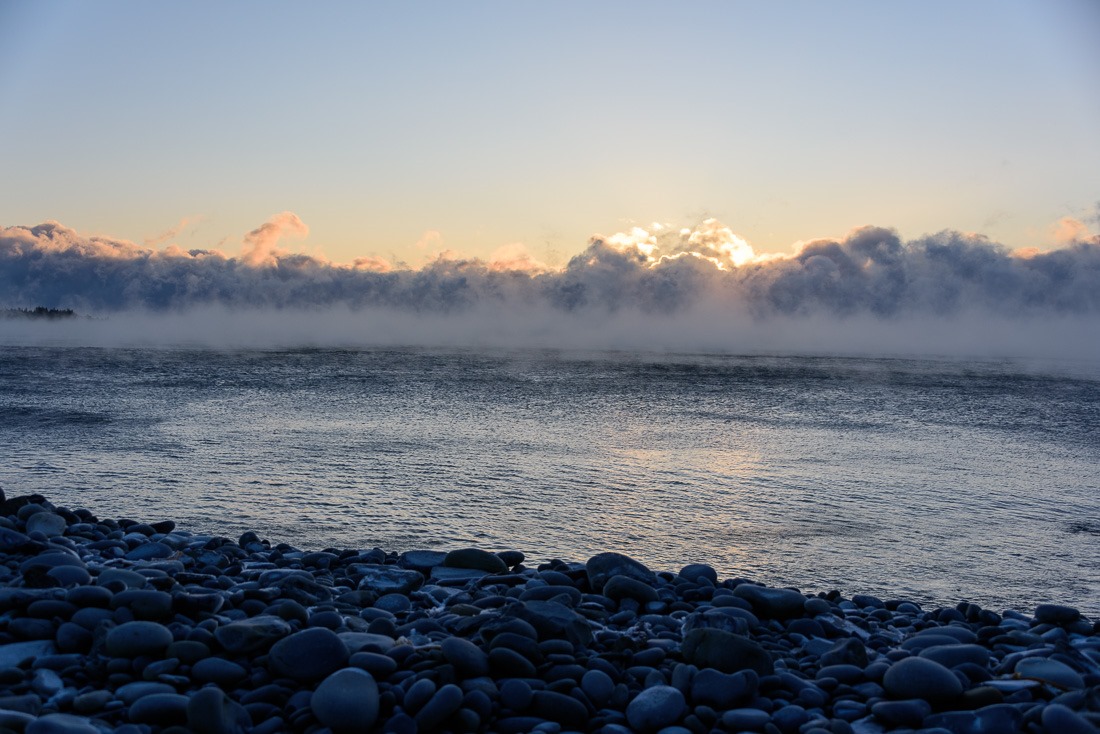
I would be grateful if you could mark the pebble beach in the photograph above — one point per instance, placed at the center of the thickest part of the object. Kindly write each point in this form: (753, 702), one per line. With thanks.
(139, 625)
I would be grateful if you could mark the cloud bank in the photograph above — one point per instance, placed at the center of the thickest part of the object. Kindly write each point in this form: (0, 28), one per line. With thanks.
(702, 287)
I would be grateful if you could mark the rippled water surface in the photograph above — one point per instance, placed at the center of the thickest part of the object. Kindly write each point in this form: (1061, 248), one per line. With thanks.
(938, 481)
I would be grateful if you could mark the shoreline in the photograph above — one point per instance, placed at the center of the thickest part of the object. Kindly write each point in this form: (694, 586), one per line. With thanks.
(137, 626)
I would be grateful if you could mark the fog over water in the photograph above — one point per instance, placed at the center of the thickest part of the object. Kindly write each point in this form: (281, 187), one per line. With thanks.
(699, 289)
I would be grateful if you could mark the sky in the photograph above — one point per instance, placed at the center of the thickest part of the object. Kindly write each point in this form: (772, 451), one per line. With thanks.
(391, 132)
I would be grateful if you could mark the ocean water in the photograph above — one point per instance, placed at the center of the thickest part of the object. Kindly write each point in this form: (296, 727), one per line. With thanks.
(938, 481)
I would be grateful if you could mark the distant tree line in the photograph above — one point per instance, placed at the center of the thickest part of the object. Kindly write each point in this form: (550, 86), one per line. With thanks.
(38, 312)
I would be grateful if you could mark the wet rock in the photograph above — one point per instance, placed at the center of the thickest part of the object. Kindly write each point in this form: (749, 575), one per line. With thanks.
(133, 639)
(469, 660)
(160, 709)
(222, 672)
(309, 655)
(15, 654)
(603, 566)
(421, 560)
(253, 634)
(61, 724)
(655, 708)
(772, 603)
(210, 711)
(554, 621)
(711, 687)
(725, 652)
(1056, 614)
(47, 523)
(951, 656)
(908, 713)
(475, 558)
(346, 701)
(699, 571)
(921, 678)
(439, 708)
(1049, 671)
(388, 579)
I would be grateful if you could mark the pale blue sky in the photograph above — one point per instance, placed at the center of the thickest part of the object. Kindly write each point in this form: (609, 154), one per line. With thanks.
(500, 122)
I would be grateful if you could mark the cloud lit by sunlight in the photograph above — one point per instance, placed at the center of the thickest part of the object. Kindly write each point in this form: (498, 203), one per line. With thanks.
(259, 244)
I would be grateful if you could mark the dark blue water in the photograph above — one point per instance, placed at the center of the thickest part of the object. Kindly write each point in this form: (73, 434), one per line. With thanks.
(938, 481)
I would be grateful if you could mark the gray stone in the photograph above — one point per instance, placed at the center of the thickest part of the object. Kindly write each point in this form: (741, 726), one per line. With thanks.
(14, 654)
(726, 652)
(908, 713)
(515, 694)
(511, 557)
(48, 560)
(1063, 720)
(455, 575)
(346, 701)
(598, 686)
(224, 673)
(149, 551)
(47, 523)
(603, 566)
(569, 595)
(210, 711)
(655, 708)
(394, 603)
(845, 652)
(13, 540)
(132, 639)
(1049, 671)
(132, 692)
(61, 724)
(439, 707)
(951, 656)
(129, 579)
(729, 619)
(921, 678)
(147, 604)
(475, 558)
(506, 663)
(745, 719)
(421, 560)
(1056, 614)
(253, 634)
(387, 579)
(554, 621)
(366, 641)
(710, 687)
(790, 718)
(67, 576)
(160, 709)
(772, 603)
(14, 720)
(995, 718)
(621, 587)
(309, 655)
(560, 708)
(92, 701)
(469, 660)
(698, 571)
(46, 682)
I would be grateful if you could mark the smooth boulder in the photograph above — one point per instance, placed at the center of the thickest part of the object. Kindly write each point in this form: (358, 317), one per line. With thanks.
(346, 701)
(921, 678)
(726, 652)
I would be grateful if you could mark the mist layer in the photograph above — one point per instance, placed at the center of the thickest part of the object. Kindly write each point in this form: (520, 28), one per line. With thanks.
(697, 289)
